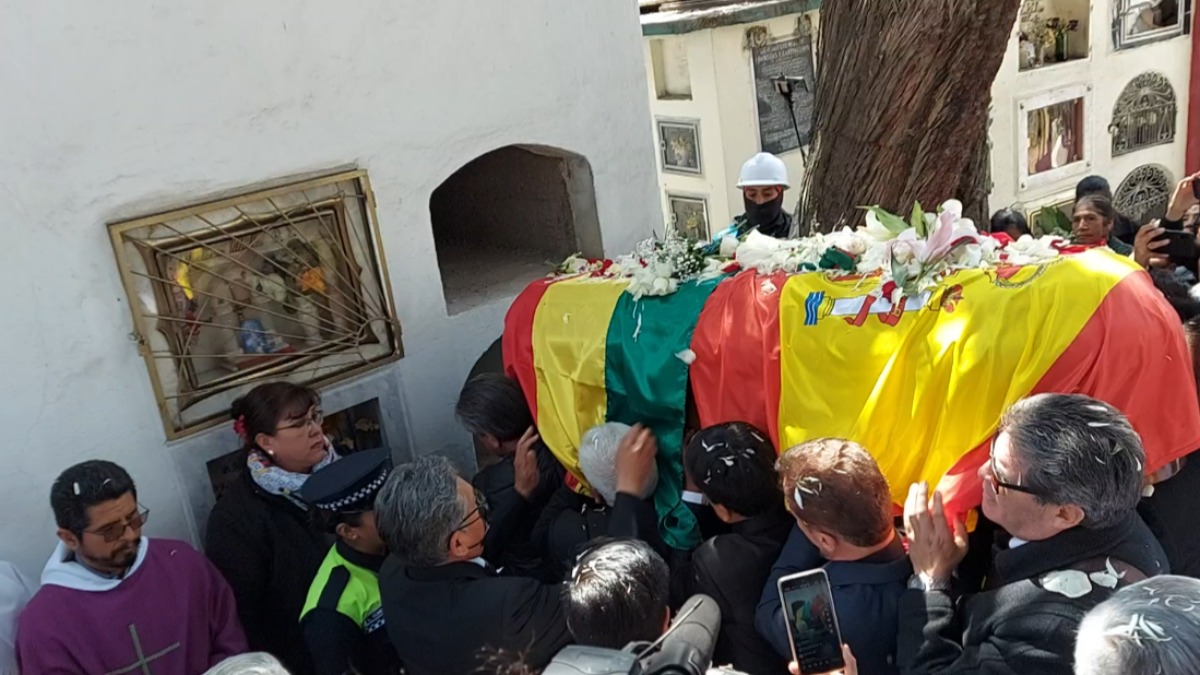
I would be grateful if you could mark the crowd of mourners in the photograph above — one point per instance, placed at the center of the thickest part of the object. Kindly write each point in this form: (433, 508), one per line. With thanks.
(319, 561)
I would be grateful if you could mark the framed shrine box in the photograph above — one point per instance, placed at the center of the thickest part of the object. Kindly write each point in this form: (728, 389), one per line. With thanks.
(1139, 22)
(284, 283)
(679, 146)
(689, 216)
(1054, 136)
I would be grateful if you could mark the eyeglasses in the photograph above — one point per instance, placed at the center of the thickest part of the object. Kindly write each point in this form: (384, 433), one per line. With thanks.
(316, 418)
(114, 531)
(478, 513)
(998, 484)
(481, 510)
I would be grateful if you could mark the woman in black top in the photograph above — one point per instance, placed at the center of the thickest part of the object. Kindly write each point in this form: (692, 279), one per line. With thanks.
(258, 533)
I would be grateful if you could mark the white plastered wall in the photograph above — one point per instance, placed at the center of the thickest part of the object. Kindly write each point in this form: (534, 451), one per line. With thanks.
(117, 109)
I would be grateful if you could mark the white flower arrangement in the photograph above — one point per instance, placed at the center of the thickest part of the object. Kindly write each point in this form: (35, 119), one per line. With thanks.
(910, 256)
(658, 266)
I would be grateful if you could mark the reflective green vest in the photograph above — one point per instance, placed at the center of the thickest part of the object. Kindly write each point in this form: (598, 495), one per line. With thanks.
(348, 588)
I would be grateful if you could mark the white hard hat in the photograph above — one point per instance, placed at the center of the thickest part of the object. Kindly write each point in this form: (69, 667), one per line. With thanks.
(763, 169)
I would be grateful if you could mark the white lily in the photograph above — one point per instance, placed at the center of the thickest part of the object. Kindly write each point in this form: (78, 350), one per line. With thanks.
(876, 230)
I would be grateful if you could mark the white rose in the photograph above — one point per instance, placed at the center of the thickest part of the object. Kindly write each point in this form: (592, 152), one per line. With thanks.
(660, 286)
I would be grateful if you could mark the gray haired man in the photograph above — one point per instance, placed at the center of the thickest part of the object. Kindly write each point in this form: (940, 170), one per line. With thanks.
(1152, 626)
(1063, 480)
(444, 604)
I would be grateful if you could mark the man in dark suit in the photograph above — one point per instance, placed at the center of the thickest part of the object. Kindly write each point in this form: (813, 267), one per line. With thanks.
(492, 407)
(843, 512)
(1063, 481)
(443, 604)
(733, 466)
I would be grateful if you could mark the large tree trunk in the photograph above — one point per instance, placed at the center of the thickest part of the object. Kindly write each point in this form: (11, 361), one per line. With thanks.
(903, 91)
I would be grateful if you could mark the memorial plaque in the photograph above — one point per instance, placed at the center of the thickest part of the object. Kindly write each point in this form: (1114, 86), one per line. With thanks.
(793, 58)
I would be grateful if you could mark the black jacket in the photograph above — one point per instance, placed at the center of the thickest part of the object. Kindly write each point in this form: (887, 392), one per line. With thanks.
(866, 594)
(1170, 514)
(511, 517)
(441, 618)
(781, 228)
(732, 569)
(571, 520)
(1018, 626)
(267, 552)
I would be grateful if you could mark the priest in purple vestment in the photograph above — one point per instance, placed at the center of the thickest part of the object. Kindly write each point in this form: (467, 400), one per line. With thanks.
(113, 601)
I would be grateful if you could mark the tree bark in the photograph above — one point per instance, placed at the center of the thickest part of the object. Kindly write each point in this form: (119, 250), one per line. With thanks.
(902, 106)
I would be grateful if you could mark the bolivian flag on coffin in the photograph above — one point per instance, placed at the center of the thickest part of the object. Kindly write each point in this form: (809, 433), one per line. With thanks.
(920, 384)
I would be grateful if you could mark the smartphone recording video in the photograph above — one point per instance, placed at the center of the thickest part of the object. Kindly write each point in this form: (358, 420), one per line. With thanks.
(812, 622)
(1181, 245)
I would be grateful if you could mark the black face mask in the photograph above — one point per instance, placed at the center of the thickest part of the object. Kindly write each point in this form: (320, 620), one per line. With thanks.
(764, 215)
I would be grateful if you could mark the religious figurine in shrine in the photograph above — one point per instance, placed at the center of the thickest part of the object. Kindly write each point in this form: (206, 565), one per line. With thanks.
(311, 290)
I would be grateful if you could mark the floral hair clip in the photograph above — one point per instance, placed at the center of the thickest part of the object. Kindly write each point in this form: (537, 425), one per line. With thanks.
(239, 426)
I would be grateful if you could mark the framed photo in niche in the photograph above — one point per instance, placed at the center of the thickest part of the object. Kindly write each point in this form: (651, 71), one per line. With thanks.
(689, 216)
(1139, 22)
(282, 283)
(1054, 132)
(679, 146)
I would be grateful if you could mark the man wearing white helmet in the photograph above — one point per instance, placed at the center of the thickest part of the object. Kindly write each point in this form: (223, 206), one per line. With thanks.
(763, 181)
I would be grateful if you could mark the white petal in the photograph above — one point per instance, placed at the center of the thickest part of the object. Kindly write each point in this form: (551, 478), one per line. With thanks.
(687, 356)
(1104, 579)
(953, 206)
(1071, 583)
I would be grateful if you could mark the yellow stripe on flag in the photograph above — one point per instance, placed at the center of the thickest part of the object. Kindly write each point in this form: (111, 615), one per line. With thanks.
(923, 386)
(570, 329)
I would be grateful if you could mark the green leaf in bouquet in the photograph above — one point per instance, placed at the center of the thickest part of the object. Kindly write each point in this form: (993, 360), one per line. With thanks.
(894, 224)
(1051, 220)
(918, 220)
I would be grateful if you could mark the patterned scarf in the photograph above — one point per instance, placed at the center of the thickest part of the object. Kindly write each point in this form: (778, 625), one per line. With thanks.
(283, 483)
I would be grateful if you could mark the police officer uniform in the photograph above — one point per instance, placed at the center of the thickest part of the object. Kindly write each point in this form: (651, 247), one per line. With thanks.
(342, 619)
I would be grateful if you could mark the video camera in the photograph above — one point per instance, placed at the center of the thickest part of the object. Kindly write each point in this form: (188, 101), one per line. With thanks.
(685, 649)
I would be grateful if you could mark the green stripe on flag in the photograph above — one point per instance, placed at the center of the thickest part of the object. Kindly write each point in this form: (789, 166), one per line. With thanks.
(647, 384)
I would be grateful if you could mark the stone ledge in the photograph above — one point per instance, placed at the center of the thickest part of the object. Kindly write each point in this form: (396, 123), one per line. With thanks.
(680, 22)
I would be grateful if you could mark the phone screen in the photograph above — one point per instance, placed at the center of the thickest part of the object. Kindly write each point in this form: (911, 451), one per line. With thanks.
(812, 621)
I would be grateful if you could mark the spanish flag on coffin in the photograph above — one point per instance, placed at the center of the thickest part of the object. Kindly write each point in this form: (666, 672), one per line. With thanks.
(920, 385)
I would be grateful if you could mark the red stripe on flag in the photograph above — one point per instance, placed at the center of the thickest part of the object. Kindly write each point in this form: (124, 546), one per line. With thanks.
(1131, 354)
(517, 345)
(735, 377)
